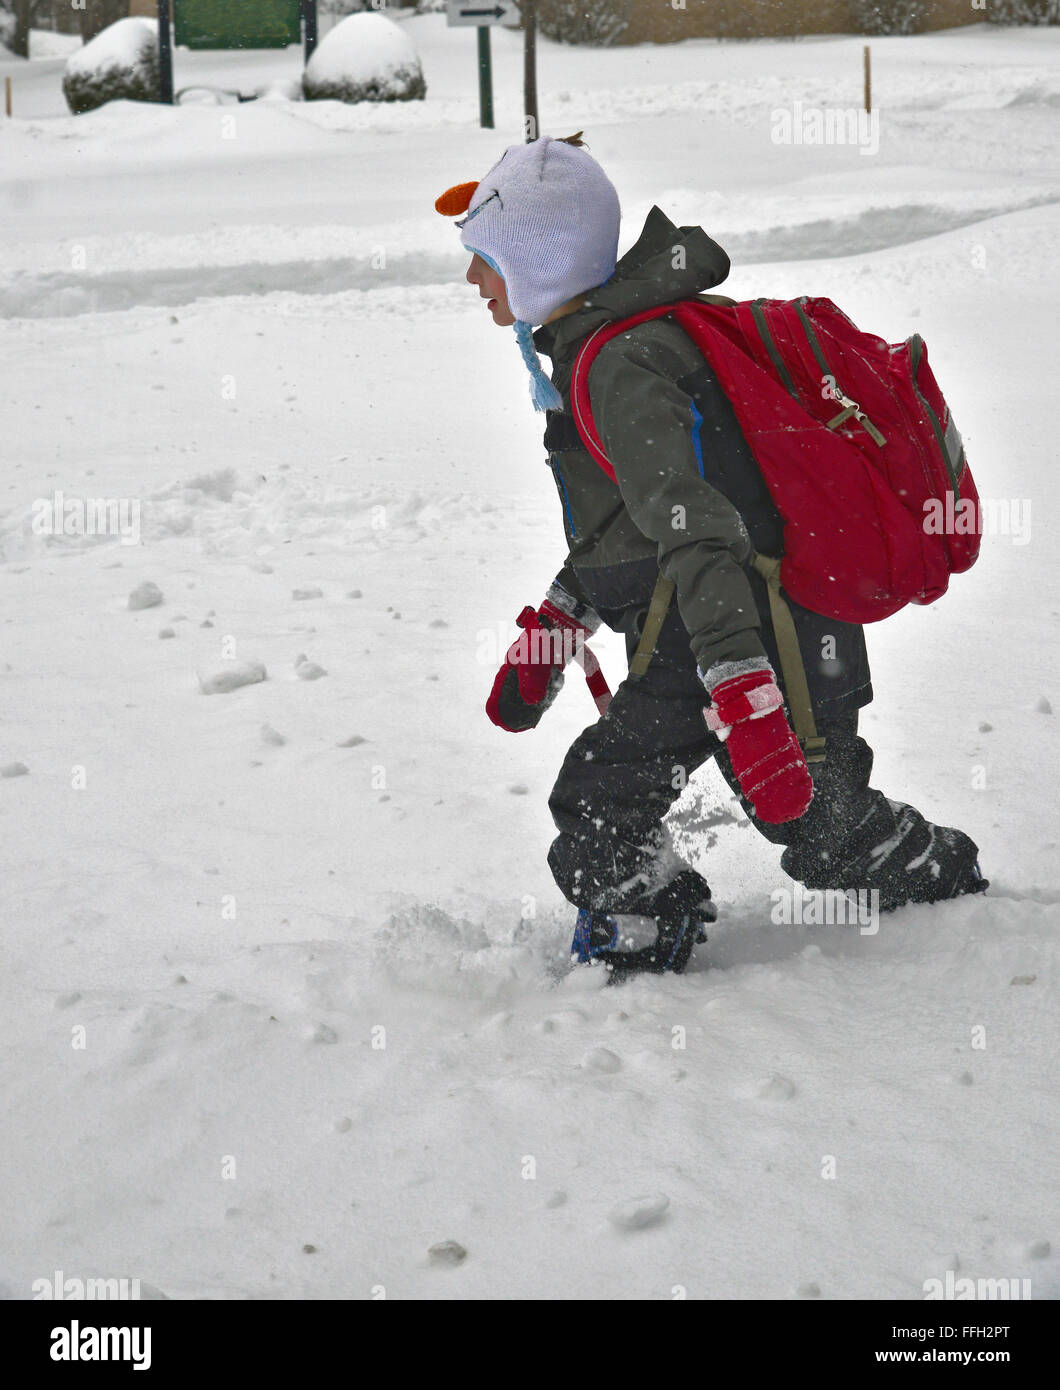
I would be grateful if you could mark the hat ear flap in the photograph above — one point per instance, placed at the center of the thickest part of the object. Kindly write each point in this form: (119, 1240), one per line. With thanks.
(456, 199)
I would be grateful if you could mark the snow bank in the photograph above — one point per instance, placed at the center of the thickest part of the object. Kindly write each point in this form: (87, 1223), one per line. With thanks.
(365, 58)
(119, 63)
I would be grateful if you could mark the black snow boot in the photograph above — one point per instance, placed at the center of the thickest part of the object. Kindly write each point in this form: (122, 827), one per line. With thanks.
(680, 911)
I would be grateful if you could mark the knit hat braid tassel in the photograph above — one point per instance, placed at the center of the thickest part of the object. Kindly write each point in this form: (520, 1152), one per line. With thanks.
(542, 392)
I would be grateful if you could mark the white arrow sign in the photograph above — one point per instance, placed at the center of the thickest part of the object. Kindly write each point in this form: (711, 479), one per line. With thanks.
(480, 12)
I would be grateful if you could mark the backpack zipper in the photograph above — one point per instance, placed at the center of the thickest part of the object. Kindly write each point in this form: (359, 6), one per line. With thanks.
(850, 408)
(916, 353)
(767, 337)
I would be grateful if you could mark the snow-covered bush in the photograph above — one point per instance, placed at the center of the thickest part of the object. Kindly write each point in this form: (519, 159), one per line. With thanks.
(366, 57)
(1023, 12)
(598, 22)
(121, 63)
(887, 16)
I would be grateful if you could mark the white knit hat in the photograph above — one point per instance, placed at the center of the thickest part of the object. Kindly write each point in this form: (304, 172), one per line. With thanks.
(548, 217)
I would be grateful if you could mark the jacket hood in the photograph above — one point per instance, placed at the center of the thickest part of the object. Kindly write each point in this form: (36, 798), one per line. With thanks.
(650, 273)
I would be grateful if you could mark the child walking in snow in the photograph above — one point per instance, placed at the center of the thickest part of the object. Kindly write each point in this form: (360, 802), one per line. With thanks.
(707, 679)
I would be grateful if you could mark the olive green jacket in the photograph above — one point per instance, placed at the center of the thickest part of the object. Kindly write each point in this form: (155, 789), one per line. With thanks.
(647, 388)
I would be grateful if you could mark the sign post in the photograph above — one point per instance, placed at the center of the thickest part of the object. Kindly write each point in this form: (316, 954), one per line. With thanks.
(165, 55)
(485, 78)
(482, 15)
(309, 26)
(530, 71)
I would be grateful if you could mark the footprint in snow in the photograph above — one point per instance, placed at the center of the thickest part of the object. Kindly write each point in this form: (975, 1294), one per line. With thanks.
(776, 1088)
(602, 1059)
(145, 595)
(230, 675)
(323, 1033)
(639, 1212)
(308, 670)
(447, 1253)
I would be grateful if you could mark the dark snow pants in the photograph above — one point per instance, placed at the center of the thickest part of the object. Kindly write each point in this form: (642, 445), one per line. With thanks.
(624, 772)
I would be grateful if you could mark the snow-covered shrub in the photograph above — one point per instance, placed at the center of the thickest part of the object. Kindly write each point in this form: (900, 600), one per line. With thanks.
(366, 57)
(1023, 12)
(121, 63)
(599, 22)
(887, 16)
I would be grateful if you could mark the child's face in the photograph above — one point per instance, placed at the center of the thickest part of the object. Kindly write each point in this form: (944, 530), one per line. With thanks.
(491, 287)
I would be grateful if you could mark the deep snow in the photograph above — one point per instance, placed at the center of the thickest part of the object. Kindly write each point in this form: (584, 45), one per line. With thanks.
(258, 331)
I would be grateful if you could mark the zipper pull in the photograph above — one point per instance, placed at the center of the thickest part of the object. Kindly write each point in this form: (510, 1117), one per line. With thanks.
(851, 408)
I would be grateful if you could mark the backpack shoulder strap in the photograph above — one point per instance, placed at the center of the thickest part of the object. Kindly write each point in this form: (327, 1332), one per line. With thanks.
(697, 316)
(579, 381)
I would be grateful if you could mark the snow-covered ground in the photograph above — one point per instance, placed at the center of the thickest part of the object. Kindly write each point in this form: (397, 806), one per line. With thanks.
(284, 967)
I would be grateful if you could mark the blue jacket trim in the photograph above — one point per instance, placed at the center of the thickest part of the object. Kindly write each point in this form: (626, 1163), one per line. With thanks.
(697, 437)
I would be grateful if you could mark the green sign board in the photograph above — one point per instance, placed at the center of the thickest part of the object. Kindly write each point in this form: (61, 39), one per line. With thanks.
(236, 23)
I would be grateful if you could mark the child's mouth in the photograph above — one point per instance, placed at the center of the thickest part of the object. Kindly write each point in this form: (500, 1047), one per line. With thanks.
(491, 304)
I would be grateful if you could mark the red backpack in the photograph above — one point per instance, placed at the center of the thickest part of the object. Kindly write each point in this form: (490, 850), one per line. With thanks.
(853, 438)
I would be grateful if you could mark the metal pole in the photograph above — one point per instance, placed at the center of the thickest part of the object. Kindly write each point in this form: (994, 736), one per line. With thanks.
(165, 55)
(529, 8)
(485, 78)
(309, 18)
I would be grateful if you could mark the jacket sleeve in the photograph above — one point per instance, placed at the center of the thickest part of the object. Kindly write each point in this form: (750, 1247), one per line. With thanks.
(655, 438)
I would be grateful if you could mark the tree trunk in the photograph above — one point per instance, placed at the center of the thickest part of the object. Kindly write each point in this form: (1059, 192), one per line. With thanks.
(23, 10)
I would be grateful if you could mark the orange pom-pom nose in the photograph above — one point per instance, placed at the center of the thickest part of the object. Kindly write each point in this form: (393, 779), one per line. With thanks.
(456, 199)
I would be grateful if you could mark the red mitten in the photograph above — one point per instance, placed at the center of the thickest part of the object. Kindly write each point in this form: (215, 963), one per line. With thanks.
(532, 673)
(748, 716)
